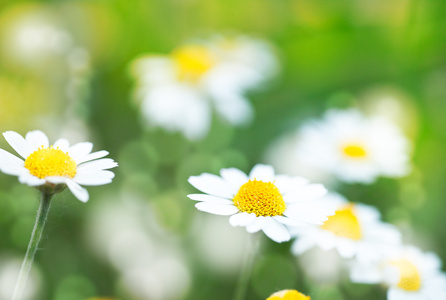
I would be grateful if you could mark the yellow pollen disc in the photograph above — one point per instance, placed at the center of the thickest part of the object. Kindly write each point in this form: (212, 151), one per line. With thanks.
(288, 295)
(50, 162)
(410, 279)
(193, 62)
(354, 151)
(344, 223)
(261, 198)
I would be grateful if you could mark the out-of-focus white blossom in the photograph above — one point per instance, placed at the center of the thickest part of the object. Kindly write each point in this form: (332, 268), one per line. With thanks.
(352, 147)
(354, 231)
(179, 91)
(409, 274)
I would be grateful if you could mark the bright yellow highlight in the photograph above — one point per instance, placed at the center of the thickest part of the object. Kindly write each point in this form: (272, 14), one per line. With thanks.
(261, 198)
(193, 62)
(50, 162)
(410, 279)
(344, 223)
(354, 151)
(288, 295)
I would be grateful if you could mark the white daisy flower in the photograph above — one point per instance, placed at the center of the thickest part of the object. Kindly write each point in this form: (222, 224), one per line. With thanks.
(354, 231)
(288, 295)
(33, 38)
(261, 201)
(409, 274)
(56, 166)
(178, 91)
(354, 148)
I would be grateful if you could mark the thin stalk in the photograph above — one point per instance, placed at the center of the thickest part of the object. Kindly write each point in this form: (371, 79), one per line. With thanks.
(41, 217)
(245, 272)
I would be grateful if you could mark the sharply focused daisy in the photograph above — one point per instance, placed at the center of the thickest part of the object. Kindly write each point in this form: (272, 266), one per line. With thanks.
(53, 167)
(353, 147)
(288, 295)
(409, 274)
(178, 91)
(355, 230)
(262, 201)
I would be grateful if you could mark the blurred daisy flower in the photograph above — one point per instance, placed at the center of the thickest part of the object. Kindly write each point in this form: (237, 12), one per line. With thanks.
(178, 91)
(409, 274)
(288, 295)
(51, 168)
(353, 147)
(33, 39)
(261, 201)
(355, 230)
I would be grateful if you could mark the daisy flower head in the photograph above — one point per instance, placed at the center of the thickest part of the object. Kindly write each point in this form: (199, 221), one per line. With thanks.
(179, 91)
(408, 273)
(51, 168)
(288, 295)
(353, 147)
(32, 39)
(261, 200)
(355, 230)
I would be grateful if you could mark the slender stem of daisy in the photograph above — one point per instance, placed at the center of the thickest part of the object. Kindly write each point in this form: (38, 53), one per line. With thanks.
(245, 272)
(41, 217)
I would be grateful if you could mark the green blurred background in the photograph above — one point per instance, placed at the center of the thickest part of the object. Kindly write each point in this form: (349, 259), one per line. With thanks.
(141, 237)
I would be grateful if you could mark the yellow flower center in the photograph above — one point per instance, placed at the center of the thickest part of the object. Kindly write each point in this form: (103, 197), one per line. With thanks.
(193, 62)
(261, 198)
(344, 223)
(410, 279)
(50, 162)
(288, 295)
(354, 151)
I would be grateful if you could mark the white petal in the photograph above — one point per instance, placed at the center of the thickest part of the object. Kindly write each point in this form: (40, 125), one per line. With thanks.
(242, 219)
(209, 198)
(347, 249)
(305, 193)
(234, 177)
(365, 273)
(212, 184)
(36, 139)
(286, 183)
(31, 180)
(94, 178)
(235, 108)
(196, 119)
(56, 179)
(78, 191)
(276, 231)
(256, 225)
(18, 143)
(100, 164)
(11, 163)
(178, 107)
(15, 171)
(289, 221)
(92, 156)
(217, 209)
(262, 172)
(313, 212)
(301, 245)
(80, 150)
(62, 144)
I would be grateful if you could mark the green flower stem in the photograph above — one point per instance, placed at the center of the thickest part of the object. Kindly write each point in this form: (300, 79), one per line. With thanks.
(245, 272)
(41, 217)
